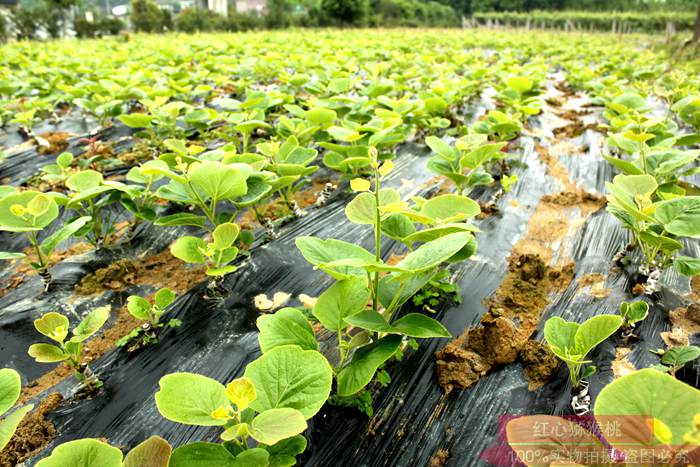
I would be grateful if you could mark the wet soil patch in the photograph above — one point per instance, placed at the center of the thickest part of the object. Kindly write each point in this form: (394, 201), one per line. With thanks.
(33, 433)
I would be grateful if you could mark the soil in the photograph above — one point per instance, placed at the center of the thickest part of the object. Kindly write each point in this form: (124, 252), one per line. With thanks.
(513, 315)
(540, 363)
(277, 208)
(23, 267)
(33, 433)
(58, 142)
(596, 284)
(621, 366)
(159, 270)
(505, 329)
(440, 458)
(685, 322)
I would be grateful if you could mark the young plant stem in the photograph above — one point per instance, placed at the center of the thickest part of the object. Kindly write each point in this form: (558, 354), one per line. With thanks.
(377, 237)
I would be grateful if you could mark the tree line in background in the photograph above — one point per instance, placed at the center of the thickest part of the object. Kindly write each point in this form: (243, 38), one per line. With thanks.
(51, 16)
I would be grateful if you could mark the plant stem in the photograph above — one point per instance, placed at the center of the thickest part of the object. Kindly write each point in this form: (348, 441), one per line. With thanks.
(377, 237)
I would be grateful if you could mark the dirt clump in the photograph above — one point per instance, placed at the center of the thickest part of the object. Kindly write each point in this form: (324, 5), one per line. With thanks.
(51, 142)
(33, 433)
(596, 284)
(440, 458)
(505, 329)
(621, 366)
(539, 362)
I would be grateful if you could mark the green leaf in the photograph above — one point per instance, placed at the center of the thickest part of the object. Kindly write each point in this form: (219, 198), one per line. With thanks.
(686, 265)
(255, 457)
(342, 299)
(679, 356)
(595, 330)
(435, 252)
(283, 454)
(224, 235)
(521, 84)
(191, 399)
(321, 116)
(9, 424)
(450, 208)
(83, 453)
(560, 335)
(441, 147)
(53, 325)
(638, 394)
(370, 320)
(164, 298)
(219, 181)
(154, 452)
(274, 425)
(634, 312)
(138, 307)
(64, 233)
(200, 454)
(364, 364)
(181, 219)
(189, 249)
(412, 325)
(636, 185)
(363, 208)
(7, 255)
(91, 324)
(289, 376)
(397, 226)
(46, 353)
(418, 325)
(241, 392)
(136, 120)
(284, 327)
(680, 216)
(10, 389)
(343, 134)
(13, 223)
(317, 251)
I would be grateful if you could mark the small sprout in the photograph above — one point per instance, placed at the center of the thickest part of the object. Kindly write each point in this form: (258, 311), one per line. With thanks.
(55, 326)
(571, 342)
(675, 358)
(30, 212)
(633, 313)
(150, 314)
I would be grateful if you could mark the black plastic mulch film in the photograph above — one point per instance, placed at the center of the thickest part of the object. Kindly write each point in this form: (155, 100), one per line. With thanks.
(413, 419)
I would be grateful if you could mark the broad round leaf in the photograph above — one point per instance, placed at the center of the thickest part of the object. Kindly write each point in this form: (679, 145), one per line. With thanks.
(53, 325)
(138, 307)
(286, 326)
(201, 454)
(433, 253)
(219, 181)
(274, 425)
(224, 235)
(85, 180)
(154, 452)
(241, 392)
(289, 376)
(680, 216)
(342, 299)
(189, 249)
(46, 353)
(83, 453)
(648, 393)
(13, 223)
(450, 208)
(191, 399)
